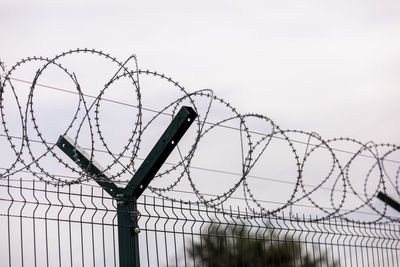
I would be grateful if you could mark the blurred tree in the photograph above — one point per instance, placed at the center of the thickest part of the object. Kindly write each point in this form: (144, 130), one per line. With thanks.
(238, 246)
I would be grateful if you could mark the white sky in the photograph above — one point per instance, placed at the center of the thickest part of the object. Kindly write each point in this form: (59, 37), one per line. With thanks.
(326, 66)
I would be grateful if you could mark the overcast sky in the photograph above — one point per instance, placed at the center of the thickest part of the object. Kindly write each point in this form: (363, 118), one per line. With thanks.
(326, 66)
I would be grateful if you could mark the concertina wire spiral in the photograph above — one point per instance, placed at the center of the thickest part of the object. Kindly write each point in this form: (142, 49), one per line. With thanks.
(254, 144)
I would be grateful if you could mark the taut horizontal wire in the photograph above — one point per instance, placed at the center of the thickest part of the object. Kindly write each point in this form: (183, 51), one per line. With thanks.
(209, 123)
(193, 167)
(190, 193)
(253, 143)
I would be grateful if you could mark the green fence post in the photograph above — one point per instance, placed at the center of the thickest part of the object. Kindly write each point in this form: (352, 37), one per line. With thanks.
(128, 239)
(127, 212)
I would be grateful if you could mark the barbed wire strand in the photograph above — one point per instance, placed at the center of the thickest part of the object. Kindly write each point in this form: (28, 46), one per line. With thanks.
(253, 144)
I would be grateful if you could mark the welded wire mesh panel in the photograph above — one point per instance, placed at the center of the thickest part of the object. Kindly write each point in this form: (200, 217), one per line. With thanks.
(45, 225)
(187, 234)
(76, 225)
(227, 157)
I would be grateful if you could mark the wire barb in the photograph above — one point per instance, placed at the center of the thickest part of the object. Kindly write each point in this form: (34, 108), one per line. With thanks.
(33, 149)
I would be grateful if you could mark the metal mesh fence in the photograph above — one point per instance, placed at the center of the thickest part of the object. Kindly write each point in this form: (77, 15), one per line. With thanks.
(64, 218)
(76, 225)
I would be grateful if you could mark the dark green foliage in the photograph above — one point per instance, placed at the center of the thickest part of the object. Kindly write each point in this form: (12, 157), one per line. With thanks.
(238, 246)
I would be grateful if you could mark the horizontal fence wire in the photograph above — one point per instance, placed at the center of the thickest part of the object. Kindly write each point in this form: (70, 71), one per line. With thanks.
(56, 226)
(256, 150)
(61, 218)
(76, 225)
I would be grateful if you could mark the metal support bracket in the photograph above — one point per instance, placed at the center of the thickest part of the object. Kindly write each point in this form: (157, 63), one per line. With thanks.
(126, 197)
(389, 201)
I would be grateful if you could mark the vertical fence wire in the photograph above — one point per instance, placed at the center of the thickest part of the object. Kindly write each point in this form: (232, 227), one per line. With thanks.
(77, 226)
(201, 236)
(56, 226)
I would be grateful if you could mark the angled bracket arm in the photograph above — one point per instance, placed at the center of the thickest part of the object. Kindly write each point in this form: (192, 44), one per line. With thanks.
(160, 152)
(150, 166)
(81, 158)
(389, 201)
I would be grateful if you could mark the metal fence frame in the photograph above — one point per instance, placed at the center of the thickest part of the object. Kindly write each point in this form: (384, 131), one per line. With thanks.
(77, 226)
(80, 225)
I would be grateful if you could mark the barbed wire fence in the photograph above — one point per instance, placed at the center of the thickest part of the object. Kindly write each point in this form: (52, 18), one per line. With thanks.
(44, 193)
